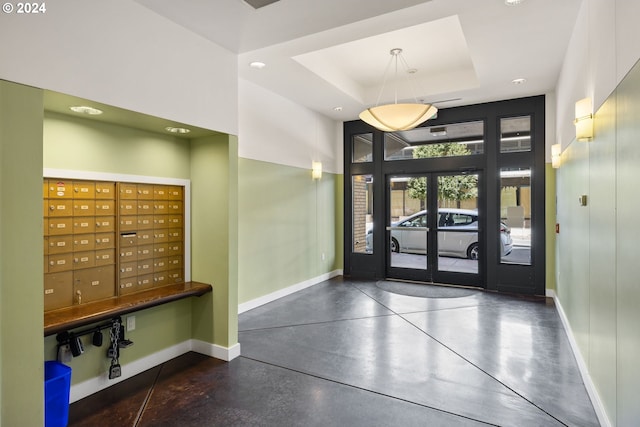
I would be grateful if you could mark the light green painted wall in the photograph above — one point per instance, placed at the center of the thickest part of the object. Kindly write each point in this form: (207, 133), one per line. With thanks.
(550, 227)
(602, 255)
(598, 268)
(157, 328)
(287, 221)
(21, 302)
(627, 317)
(87, 145)
(214, 188)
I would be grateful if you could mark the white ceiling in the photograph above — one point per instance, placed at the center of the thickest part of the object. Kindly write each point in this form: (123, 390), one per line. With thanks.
(333, 53)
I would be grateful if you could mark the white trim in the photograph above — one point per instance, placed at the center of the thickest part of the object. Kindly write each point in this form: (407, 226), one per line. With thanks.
(582, 366)
(143, 179)
(213, 350)
(249, 305)
(96, 384)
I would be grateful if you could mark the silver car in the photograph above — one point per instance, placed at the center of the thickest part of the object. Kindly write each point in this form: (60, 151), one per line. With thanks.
(457, 234)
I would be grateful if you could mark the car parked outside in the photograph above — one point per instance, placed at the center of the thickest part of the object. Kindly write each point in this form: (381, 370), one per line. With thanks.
(457, 234)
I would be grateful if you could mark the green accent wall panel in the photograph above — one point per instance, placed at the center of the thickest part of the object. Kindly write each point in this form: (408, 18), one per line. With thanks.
(289, 227)
(214, 243)
(573, 241)
(157, 328)
(550, 227)
(598, 270)
(602, 255)
(21, 269)
(627, 239)
(87, 145)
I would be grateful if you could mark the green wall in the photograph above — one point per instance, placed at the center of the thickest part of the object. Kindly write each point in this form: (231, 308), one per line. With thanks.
(287, 221)
(21, 303)
(598, 268)
(550, 227)
(87, 145)
(214, 190)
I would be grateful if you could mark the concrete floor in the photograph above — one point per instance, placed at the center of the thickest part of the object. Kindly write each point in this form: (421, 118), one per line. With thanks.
(348, 353)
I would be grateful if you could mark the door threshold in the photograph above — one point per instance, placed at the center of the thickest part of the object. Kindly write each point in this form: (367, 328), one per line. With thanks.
(418, 282)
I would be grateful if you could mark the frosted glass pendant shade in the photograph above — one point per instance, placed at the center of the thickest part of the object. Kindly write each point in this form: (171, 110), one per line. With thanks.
(395, 117)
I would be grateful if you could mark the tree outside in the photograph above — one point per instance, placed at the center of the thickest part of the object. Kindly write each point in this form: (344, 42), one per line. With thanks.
(451, 189)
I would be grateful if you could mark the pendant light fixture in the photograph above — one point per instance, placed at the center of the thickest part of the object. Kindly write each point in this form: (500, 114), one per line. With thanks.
(395, 117)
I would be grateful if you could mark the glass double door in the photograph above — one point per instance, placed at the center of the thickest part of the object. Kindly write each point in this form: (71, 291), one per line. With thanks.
(433, 229)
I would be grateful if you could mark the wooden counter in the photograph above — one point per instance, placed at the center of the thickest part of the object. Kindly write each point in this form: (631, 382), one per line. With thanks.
(64, 319)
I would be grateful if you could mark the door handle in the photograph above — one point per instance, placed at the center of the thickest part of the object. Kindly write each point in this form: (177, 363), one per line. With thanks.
(408, 228)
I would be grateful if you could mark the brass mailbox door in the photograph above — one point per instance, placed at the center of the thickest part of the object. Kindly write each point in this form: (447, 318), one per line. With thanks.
(145, 191)
(145, 222)
(145, 282)
(145, 207)
(127, 191)
(128, 207)
(58, 290)
(160, 264)
(59, 262)
(93, 284)
(145, 266)
(84, 190)
(60, 189)
(160, 278)
(84, 242)
(84, 259)
(105, 207)
(105, 240)
(59, 244)
(105, 190)
(176, 192)
(82, 225)
(160, 207)
(105, 257)
(59, 226)
(128, 223)
(145, 252)
(60, 207)
(105, 224)
(160, 192)
(145, 237)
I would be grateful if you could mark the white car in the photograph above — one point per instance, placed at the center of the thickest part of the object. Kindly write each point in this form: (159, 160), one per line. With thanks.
(457, 234)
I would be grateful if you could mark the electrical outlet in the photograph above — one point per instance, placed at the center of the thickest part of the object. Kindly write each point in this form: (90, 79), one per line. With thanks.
(131, 323)
(322, 256)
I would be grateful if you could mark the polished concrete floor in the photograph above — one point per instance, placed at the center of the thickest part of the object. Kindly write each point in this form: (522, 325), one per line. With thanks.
(357, 353)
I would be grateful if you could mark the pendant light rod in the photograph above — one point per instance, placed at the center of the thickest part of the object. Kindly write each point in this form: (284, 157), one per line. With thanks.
(395, 117)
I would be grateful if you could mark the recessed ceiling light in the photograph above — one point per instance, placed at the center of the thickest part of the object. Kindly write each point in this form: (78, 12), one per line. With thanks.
(177, 130)
(512, 2)
(257, 64)
(518, 81)
(83, 109)
(337, 108)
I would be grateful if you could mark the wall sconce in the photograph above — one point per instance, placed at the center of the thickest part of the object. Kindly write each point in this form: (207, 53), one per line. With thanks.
(556, 150)
(584, 120)
(316, 170)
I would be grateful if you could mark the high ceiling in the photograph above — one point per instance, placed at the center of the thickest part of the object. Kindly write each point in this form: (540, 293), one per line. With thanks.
(325, 54)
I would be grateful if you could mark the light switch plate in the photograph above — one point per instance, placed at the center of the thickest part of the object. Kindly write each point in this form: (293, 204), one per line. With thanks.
(131, 323)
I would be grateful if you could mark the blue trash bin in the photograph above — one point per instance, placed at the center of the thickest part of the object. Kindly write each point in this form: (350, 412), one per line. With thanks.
(57, 384)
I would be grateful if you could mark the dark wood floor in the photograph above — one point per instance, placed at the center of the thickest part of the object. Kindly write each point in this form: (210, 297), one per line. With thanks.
(164, 391)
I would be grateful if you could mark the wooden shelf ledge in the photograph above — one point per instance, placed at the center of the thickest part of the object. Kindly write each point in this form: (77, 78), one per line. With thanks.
(64, 319)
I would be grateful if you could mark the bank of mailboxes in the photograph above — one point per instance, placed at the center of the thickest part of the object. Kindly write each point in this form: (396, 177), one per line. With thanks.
(103, 239)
